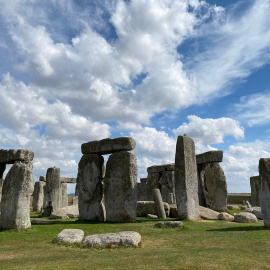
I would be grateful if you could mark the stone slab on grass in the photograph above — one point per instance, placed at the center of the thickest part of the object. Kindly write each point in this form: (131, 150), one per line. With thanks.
(169, 224)
(245, 217)
(129, 238)
(108, 146)
(9, 156)
(232, 207)
(225, 216)
(70, 236)
(207, 213)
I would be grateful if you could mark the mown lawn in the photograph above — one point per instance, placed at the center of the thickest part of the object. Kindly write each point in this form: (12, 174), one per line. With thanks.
(200, 245)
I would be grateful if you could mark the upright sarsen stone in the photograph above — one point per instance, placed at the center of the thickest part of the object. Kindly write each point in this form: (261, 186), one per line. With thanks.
(120, 192)
(255, 185)
(264, 172)
(38, 195)
(90, 187)
(2, 170)
(186, 181)
(17, 190)
(64, 198)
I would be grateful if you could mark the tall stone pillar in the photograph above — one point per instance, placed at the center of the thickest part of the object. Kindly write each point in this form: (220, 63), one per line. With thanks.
(17, 190)
(186, 181)
(38, 195)
(64, 195)
(264, 172)
(255, 186)
(121, 187)
(90, 187)
(2, 170)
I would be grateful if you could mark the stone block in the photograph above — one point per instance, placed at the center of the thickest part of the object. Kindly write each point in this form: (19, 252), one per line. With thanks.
(207, 213)
(210, 156)
(167, 187)
(38, 195)
(255, 185)
(186, 181)
(141, 191)
(153, 181)
(149, 207)
(70, 236)
(108, 146)
(143, 180)
(120, 187)
(10, 156)
(264, 172)
(42, 178)
(17, 190)
(69, 180)
(90, 187)
(161, 168)
(159, 203)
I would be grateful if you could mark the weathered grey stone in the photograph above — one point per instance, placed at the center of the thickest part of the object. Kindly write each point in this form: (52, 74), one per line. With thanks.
(70, 180)
(186, 181)
(225, 216)
(143, 180)
(152, 216)
(17, 190)
(64, 198)
(159, 203)
(207, 213)
(255, 184)
(249, 210)
(38, 195)
(70, 236)
(71, 211)
(90, 187)
(107, 239)
(233, 207)
(141, 191)
(10, 156)
(120, 182)
(264, 172)
(248, 204)
(108, 146)
(169, 224)
(243, 207)
(161, 168)
(75, 200)
(39, 222)
(2, 170)
(245, 217)
(167, 187)
(153, 181)
(52, 192)
(173, 211)
(214, 186)
(149, 207)
(257, 211)
(210, 156)
(42, 178)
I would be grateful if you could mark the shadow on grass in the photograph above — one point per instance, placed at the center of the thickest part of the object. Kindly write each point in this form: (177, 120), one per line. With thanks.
(244, 228)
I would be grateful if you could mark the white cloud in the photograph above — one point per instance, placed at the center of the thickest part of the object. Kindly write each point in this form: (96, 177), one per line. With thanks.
(254, 109)
(210, 131)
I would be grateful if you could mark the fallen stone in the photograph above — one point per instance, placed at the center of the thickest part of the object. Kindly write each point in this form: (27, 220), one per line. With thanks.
(70, 236)
(71, 211)
(210, 156)
(207, 213)
(225, 216)
(149, 207)
(9, 156)
(120, 187)
(108, 146)
(38, 222)
(59, 214)
(245, 217)
(169, 224)
(232, 207)
(161, 168)
(152, 216)
(107, 239)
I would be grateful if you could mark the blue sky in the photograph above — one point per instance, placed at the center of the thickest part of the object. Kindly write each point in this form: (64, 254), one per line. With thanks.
(76, 71)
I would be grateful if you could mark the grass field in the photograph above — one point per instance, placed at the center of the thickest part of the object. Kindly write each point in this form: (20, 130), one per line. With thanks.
(200, 245)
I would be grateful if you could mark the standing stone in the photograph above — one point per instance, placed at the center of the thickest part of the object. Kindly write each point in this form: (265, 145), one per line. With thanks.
(90, 187)
(255, 184)
(17, 190)
(2, 170)
(52, 192)
(214, 186)
(141, 191)
(153, 181)
(167, 187)
(186, 181)
(159, 203)
(64, 197)
(38, 195)
(121, 187)
(264, 172)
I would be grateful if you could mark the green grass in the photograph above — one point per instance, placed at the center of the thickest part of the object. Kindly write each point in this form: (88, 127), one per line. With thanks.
(199, 245)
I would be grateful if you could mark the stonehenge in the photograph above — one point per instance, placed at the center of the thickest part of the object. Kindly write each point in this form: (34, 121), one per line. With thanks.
(17, 188)
(110, 193)
(255, 185)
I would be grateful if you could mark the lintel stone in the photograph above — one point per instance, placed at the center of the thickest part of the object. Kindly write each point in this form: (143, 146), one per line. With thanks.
(210, 156)
(108, 146)
(10, 156)
(69, 180)
(161, 168)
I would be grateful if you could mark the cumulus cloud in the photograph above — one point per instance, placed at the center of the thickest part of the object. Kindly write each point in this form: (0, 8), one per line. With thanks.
(254, 109)
(210, 131)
